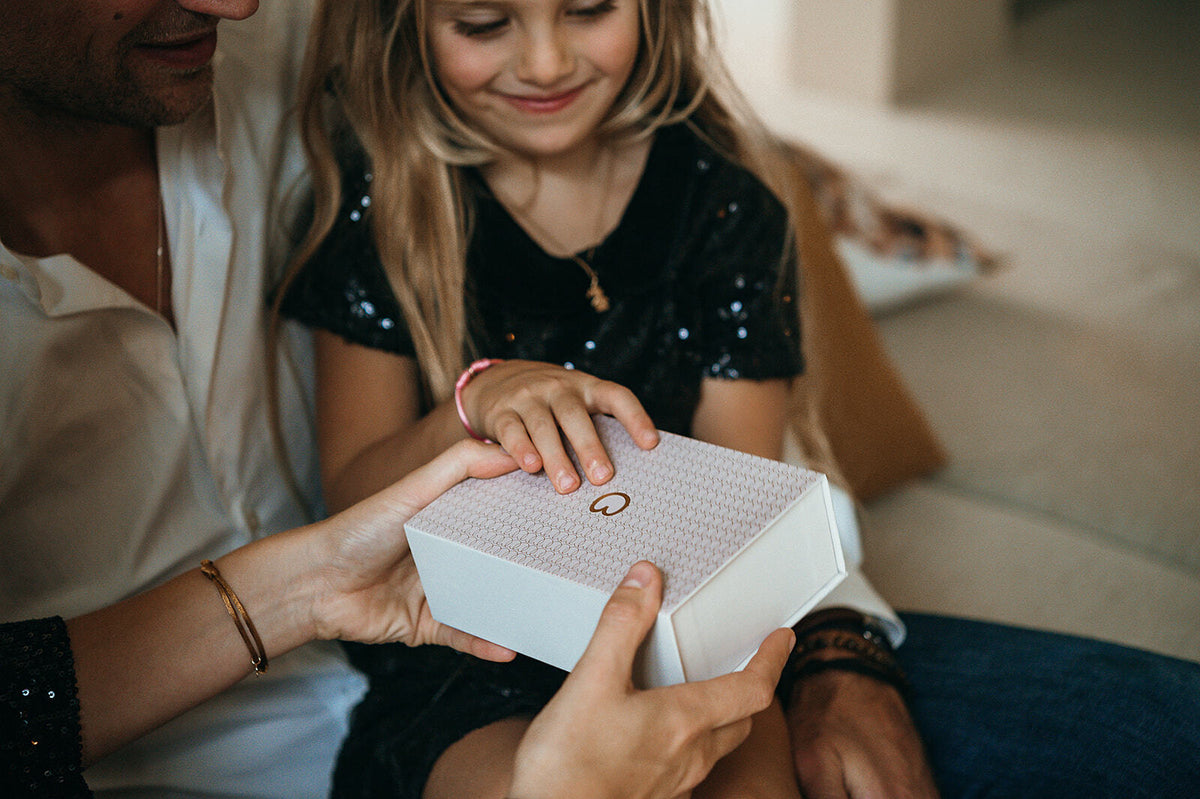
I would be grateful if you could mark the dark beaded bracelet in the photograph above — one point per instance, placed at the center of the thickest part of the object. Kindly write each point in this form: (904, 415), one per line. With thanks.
(846, 621)
(893, 677)
(858, 645)
(842, 631)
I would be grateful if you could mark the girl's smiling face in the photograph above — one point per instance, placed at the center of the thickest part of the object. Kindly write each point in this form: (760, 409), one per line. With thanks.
(536, 76)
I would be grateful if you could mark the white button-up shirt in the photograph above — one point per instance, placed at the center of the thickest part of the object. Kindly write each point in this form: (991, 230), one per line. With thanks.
(129, 452)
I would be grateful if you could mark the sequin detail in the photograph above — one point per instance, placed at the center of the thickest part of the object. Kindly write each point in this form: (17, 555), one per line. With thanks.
(40, 745)
(693, 271)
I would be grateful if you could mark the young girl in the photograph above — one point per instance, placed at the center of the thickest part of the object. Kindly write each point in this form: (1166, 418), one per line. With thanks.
(567, 189)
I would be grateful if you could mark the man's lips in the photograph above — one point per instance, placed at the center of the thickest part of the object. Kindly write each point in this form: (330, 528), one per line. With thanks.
(191, 53)
(544, 105)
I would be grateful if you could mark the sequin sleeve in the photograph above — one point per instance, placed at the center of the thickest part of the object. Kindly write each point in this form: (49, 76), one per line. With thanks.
(747, 296)
(40, 746)
(343, 288)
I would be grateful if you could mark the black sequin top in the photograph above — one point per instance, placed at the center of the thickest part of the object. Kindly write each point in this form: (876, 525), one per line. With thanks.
(40, 745)
(692, 270)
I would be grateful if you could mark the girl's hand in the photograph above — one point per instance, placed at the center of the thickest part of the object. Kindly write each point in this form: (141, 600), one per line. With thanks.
(525, 404)
(368, 589)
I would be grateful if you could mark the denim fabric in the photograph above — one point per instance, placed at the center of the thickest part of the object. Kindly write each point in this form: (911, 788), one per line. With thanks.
(1004, 712)
(1010, 712)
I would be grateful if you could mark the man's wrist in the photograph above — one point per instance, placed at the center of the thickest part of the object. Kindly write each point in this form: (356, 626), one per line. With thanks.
(841, 639)
(846, 619)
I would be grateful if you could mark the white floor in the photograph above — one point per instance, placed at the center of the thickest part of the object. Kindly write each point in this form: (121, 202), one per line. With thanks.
(1083, 140)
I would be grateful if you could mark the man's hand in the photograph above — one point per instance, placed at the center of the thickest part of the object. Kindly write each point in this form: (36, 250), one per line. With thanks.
(852, 736)
(599, 738)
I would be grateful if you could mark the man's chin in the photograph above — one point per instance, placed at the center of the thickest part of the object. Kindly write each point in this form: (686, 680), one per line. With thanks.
(172, 104)
(151, 108)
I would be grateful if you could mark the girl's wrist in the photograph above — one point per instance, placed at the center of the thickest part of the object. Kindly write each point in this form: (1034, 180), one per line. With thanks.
(461, 384)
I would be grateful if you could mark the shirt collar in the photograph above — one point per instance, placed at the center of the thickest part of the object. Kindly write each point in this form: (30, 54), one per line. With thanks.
(56, 283)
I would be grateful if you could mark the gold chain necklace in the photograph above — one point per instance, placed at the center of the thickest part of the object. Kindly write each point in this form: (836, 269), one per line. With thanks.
(158, 254)
(595, 292)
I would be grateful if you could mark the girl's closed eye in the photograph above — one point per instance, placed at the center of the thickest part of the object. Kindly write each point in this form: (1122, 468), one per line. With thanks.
(593, 10)
(482, 21)
(480, 24)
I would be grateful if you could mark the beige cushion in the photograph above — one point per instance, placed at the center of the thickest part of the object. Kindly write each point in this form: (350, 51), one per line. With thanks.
(877, 434)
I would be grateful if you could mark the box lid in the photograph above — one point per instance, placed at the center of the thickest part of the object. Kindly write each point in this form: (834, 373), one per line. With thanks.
(686, 505)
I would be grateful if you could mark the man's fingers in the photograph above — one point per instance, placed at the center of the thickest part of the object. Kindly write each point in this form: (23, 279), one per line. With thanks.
(724, 740)
(624, 623)
(772, 655)
(730, 698)
(470, 644)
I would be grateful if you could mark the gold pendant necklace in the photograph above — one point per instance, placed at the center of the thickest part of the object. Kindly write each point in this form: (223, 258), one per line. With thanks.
(595, 293)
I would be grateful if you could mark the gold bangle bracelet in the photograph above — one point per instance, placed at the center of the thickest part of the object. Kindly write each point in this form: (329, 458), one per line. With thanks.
(241, 619)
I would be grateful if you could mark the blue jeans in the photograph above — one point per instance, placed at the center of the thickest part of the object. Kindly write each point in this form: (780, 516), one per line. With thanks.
(1010, 712)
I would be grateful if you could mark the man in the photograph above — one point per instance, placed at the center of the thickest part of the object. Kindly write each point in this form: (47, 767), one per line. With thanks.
(135, 406)
(145, 174)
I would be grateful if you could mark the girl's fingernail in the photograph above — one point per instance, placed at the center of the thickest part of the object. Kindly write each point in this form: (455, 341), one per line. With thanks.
(565, 482)
(600, 473)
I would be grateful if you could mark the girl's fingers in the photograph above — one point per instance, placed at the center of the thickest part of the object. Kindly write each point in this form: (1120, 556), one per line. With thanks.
(533, 406)
(544, 432)
(621, 403)
(511, 433)
(580, 430)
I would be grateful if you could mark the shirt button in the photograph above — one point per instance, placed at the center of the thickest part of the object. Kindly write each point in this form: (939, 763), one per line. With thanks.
(252, 520)
(8, 272)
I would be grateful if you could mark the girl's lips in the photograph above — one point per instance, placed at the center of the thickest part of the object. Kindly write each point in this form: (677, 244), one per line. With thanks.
(190, 54)
(544, 105)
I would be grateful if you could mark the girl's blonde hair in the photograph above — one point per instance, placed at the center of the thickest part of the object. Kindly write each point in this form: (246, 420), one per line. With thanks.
(368, 83)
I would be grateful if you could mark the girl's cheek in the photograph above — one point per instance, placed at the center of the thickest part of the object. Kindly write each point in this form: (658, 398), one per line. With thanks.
(461, 68)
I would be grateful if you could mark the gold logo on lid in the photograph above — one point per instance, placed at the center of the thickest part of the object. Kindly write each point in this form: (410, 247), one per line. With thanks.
(610, 504)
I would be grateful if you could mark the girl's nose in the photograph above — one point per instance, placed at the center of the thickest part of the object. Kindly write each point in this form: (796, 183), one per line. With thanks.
(545, 59)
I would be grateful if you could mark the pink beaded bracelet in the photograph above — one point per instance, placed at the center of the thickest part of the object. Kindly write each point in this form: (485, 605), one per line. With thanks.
(460, 384)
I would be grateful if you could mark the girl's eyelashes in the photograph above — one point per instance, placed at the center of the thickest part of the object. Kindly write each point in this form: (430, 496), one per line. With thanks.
(486, 27)
(594, 10)
(482, 27)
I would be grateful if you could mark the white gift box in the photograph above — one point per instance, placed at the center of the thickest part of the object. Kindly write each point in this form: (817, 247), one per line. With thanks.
(745, 544)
